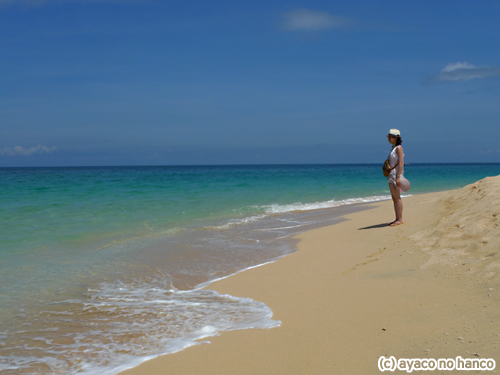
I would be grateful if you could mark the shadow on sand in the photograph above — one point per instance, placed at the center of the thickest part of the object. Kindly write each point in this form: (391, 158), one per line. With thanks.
(376, 226)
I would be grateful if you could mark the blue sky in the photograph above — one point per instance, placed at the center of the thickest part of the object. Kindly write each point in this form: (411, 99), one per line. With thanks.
(110, 82)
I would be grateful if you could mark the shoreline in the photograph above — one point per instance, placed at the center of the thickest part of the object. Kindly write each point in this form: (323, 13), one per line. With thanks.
(355, 291)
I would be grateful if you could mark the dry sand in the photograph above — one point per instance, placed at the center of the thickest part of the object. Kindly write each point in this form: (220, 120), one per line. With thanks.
(359, 290)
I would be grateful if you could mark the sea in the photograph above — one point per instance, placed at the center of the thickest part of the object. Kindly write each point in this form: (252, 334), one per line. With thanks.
(102, 268)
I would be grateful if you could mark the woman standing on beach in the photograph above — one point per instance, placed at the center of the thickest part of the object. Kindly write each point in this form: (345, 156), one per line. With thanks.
(396, 161)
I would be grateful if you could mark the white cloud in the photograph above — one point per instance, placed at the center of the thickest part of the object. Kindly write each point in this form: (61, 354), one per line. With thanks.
(311, 20)
(458, 65)
(463, 71)
(18, 150)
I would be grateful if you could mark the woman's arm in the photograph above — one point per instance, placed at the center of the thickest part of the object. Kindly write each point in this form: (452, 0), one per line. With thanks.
(401, 155)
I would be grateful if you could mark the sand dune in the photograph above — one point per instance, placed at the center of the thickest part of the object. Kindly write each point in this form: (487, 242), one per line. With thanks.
(467, 235)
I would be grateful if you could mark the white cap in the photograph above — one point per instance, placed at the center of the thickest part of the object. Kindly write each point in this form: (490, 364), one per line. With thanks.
(394, 132)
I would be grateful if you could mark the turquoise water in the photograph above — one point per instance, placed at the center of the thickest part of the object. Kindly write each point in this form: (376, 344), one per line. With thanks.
(101, 268)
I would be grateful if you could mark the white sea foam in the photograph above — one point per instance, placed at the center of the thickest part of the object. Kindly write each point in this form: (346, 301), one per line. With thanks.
(295, 207)
(234, 222)
(207, 283)
(276, 208)
(126, 324)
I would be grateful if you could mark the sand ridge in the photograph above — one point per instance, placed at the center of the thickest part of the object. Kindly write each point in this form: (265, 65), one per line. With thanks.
(467, 235)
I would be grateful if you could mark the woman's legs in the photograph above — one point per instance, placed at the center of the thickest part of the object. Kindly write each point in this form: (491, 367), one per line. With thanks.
(398, 205)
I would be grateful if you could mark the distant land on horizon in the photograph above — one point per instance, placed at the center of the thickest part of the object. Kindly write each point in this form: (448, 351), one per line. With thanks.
(317, 154)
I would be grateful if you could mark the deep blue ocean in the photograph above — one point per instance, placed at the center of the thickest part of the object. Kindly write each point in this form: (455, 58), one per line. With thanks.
(102, 268)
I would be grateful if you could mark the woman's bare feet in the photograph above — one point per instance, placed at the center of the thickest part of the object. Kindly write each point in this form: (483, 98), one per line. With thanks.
(397, 222)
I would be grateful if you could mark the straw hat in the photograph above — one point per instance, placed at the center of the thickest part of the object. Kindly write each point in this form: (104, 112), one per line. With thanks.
(394, 132)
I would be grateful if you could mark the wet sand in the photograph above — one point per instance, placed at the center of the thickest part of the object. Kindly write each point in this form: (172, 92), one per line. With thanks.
(358, 290)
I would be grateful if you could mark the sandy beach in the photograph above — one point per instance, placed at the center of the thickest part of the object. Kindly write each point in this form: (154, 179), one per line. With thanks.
(358, 290)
